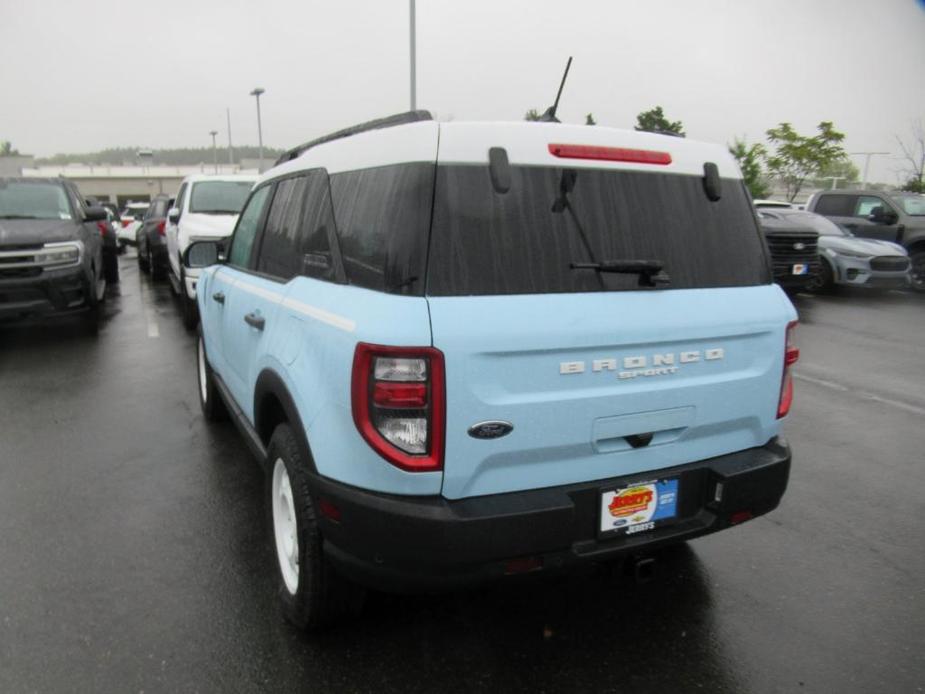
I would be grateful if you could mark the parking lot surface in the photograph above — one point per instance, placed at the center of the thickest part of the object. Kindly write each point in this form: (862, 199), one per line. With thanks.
(134, 552)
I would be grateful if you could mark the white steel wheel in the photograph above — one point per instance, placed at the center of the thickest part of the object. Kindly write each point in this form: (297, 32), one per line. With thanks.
(203, 376)
(285, 527)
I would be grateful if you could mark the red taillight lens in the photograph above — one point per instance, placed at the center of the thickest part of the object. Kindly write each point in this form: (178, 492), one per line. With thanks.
(102, 227)
(635, 156)
(162, 227)
(398, 398)
(791, 355)
(126, 222)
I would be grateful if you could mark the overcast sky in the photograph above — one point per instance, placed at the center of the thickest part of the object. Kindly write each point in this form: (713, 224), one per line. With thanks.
(85, 75)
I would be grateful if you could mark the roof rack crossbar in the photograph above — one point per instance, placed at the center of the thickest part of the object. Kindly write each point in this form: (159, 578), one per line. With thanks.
(377, 124)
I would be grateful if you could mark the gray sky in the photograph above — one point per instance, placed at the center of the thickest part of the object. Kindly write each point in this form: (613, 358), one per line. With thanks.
(90, 74)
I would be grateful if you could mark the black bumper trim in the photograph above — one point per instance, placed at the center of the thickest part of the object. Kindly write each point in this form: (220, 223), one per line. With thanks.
(431, 543)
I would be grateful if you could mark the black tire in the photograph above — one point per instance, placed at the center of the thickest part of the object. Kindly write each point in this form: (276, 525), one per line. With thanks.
(121, 245)
(111, 266)
(143, 261)
(157, 270)
(918, 270)
(93, 315)
(823, 279)
(213, 407)
(321, 595)
(188, 307)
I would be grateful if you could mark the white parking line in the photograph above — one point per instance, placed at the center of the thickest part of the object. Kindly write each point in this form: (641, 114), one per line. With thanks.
(150, 313)
(914, 409)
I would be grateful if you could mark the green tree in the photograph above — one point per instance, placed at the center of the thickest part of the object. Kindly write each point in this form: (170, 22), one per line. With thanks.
(654, 121)
(914, 157)
(532, 114)
(589, 119)
(6, 149)
(797, 158)
(750, 158)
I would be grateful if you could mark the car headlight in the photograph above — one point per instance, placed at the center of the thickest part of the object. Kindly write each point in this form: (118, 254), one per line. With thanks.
(851, 254)
(53, 254)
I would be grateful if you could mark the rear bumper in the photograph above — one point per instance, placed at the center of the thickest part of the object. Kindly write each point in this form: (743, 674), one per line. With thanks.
(430, 543)
(56, 292)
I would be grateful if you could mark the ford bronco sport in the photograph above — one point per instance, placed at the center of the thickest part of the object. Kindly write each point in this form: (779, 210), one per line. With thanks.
(468, 350)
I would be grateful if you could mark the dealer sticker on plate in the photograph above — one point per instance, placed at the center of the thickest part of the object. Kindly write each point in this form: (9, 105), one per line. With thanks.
(800, 269)
(639, 507)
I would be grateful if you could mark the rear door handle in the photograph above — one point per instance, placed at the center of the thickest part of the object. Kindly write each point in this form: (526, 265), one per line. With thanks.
(219, 297)
(255, 320)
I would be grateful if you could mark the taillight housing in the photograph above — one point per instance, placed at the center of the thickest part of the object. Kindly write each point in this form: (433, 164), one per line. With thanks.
(791, 355)
(399, 404)
(162, 227)
(102, 227)
(126, 222)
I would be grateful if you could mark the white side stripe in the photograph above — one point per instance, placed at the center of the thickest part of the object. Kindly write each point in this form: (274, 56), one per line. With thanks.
(318, 314)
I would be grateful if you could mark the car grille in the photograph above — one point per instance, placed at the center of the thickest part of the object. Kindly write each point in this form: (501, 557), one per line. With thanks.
(889, 263)
(792, 246)
(10, 272)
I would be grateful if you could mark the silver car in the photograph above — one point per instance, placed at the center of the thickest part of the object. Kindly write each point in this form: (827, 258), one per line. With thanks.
(846, 259)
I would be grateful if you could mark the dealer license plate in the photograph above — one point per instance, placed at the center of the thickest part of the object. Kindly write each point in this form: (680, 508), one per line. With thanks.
(800, 269)
(639, 507)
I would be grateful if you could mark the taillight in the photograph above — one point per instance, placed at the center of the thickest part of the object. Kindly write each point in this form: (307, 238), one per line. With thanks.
(102, 227)
(597, 153)
(791, 355)
(161, 227)
(126, 222)
(398, 398)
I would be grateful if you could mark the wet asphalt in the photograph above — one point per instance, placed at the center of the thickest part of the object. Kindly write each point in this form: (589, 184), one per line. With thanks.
(134, 553)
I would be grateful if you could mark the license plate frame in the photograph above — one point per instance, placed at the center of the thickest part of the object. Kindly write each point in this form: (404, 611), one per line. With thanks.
(800, 269)
(642, 507)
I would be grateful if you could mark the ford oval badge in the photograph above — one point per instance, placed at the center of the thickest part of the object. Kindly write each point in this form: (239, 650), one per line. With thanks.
(490, 430)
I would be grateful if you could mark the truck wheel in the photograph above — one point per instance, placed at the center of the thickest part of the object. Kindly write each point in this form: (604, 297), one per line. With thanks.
(213, 407)
(918, 270)
(311, 593)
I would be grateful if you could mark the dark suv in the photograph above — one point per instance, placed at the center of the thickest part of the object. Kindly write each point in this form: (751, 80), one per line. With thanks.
(51, 251)
(151, 239)
(874, 214)
(794, 252)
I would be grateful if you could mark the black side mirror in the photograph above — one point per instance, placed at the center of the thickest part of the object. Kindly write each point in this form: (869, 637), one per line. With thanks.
(95, 214)
(202, 254)
(881, 215)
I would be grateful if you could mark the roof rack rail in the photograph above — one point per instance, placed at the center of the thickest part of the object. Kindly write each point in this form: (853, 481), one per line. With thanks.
(378, 124)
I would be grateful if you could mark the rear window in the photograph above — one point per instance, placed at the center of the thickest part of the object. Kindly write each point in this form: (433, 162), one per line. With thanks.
(524, 241)
(219, 197)
(27, 200)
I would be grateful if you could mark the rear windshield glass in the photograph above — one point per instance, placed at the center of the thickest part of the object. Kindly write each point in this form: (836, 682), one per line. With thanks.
(219, 197)
(26, 200)
(524, 241)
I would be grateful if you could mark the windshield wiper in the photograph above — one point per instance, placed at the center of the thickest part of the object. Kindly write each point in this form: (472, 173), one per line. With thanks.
(649, 271)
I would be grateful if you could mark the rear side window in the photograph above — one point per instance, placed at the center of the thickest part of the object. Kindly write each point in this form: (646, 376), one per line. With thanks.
(318, 229)
(836, 205)
(246, 231)
(524, 241)
(867, 203)
(279, 256)
(383, 217)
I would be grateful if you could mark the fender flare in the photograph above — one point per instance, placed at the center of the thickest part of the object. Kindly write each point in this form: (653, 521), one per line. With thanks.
(270, 383)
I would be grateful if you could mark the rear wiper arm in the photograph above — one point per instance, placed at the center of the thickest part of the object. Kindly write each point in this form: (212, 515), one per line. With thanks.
(649, 271)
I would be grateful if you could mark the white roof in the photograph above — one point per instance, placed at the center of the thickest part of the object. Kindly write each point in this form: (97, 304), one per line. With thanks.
(526, 143)
(220, 177)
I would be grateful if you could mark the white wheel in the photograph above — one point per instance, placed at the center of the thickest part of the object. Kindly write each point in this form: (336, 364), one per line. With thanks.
(285, 527)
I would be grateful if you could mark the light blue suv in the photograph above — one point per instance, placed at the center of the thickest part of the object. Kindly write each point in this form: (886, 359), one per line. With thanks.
(470, 350)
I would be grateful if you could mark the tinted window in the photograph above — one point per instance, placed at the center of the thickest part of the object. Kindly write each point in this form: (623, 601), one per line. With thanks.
(317, 228)
(867, 203)
(279, 254)
(835, 205)
(524, 241)
(219, 197)
(383, 217)
(246, 231)
(27, 200)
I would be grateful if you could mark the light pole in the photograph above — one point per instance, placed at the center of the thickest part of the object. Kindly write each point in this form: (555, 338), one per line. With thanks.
(213, 133)
(256, 93)
(413, 60)
(230, 149)
(867, 156)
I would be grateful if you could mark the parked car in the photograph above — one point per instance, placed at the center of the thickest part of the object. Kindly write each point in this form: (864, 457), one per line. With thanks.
(772, 203)
(794, 250)
(848, 260)
(207, 207)
(51, 251)
(874, 214)
(131, 216)
(111, 249)
(151, 237)
(469, 350)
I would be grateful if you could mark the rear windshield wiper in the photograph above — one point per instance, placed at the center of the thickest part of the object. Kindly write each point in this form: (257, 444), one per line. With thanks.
(649, 271)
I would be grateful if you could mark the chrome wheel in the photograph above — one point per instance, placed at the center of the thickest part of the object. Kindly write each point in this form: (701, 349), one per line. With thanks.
(285, 527)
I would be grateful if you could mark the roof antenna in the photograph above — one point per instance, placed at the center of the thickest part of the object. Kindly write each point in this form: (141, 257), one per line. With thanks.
(550, 115)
